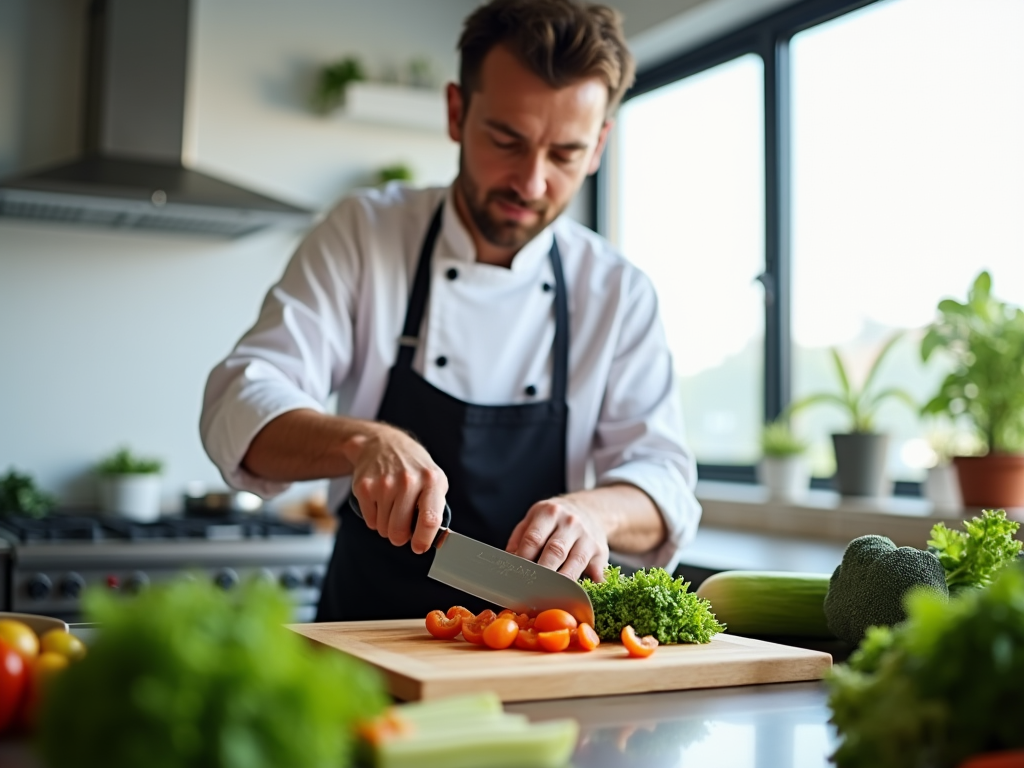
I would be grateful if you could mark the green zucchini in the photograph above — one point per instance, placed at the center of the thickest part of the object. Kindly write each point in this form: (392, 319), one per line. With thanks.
(769, 603)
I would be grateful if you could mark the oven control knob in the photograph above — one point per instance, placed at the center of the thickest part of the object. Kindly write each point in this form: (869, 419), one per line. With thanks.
(136, 582)
(38, 587)
(71, 586)
(315, 579)
(290, 579)
(226, 578)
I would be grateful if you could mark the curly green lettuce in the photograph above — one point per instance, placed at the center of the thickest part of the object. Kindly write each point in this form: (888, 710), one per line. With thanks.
(971, 558)
(653, 603)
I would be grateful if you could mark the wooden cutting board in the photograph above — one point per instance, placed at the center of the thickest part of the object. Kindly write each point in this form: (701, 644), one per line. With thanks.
(418, 666)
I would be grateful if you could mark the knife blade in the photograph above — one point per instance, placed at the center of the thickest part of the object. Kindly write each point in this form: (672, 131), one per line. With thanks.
(500, 577)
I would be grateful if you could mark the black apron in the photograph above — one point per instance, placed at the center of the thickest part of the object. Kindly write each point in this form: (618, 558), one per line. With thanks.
(499, 461)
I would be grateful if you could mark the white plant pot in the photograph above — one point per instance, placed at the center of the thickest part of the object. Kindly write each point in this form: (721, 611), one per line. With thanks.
(787, 478)
(135, 497)
(942, 488)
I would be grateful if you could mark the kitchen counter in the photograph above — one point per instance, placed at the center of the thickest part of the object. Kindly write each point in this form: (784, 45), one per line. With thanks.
(756, 726)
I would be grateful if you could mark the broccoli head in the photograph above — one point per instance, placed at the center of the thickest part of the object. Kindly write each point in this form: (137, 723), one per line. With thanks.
(868, 587)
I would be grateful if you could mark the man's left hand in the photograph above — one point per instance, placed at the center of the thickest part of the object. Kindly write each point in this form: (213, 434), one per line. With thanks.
(563, 534)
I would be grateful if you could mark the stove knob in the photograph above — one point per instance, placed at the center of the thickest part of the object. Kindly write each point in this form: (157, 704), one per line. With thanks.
(315, 579)
(291, 579)
(71, 586)
(38, 587)
(136, 582)
(226, 579)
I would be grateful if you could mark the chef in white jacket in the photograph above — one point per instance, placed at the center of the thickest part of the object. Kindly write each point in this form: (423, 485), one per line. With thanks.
(486, 350)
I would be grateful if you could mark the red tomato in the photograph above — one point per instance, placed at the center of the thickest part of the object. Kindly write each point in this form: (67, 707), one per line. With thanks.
(554, 641)
(527, 640)
(13, 677)
(1011, 759)
(587, 637)
(473, 629)
(638, 647)
(501, 633)
(458, 610)
(554, 619)
(440, 626)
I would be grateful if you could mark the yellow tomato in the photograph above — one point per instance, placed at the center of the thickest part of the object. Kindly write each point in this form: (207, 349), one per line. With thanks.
(20, 637)
(47, 665)
(63, 643)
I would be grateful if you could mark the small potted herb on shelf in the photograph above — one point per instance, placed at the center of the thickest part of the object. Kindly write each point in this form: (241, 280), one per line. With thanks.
(861, 452)
(984, 339)
(783, 468)
(130, 486)
(333, 81)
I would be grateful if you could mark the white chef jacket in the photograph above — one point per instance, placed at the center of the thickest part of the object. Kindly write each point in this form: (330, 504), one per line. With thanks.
(332, 324)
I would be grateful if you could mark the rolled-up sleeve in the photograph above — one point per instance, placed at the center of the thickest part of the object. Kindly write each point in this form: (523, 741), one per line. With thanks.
(296, 354)
(639, 437)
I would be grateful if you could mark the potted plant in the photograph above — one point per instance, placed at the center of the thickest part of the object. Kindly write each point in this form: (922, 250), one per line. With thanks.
(333, 80)
(984, 339)
(130, 486)
(783, 469)
(19, 495)
(861, 452)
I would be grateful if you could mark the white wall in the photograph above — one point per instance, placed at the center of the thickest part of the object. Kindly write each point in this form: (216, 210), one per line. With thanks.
(107, 337)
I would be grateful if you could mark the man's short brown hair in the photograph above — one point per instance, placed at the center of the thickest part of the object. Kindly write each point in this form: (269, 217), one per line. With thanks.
(561, 41)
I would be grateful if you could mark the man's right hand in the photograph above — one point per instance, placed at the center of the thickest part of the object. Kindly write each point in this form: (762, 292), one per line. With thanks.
(393, 476)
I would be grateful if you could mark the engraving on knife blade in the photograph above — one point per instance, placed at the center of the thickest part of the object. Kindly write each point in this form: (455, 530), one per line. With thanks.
(509, 567)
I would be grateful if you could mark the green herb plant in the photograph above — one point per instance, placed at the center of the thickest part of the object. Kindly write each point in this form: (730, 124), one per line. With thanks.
(333, 80)
(939, 688)
(971, 558)
(778, 440)
(396, 172)
(861, 403)
(984, 339)
(188, 675)
(124, 462)
(19, 495)
(653, 603)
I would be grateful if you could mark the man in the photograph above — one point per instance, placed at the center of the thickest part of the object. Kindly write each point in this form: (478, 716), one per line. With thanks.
(485, 350)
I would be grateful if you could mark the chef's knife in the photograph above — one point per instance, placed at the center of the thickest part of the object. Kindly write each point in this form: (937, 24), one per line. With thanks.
(499, 577)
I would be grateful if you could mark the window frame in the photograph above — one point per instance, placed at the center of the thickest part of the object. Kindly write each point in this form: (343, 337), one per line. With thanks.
(770, 39)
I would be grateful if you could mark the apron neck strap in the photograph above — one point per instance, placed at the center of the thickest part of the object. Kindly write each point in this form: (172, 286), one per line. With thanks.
(421, 290)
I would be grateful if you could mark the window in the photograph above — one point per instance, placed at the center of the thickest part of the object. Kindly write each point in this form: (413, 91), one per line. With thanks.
(690, 205)
(866, 157)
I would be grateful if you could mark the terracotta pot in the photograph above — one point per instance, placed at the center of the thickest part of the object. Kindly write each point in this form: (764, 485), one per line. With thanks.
(992, 481)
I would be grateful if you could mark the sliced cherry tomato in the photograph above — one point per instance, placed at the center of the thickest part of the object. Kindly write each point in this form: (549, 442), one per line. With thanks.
(574, 641)
(638, 647)
(458, 610)
(527, 640)
(587, 638)
(473, 629)
(520, 619)
(553, 619)
(13, 679)
(501, 633)
(554, 641)
(443, 628)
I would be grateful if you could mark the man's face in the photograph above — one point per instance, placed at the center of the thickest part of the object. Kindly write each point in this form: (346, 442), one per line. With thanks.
(526, 147)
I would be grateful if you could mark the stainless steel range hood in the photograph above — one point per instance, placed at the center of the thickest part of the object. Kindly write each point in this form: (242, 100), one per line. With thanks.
(132, 175)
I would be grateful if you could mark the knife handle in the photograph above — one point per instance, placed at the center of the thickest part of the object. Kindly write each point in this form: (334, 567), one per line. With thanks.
(446, 519)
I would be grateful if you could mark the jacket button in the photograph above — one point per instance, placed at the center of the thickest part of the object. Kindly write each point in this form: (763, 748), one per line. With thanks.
(452, 273)
(530, 390)
(546, 287)
(442, 361)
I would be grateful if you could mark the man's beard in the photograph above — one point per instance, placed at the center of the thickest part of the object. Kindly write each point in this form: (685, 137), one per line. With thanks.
(502, 233)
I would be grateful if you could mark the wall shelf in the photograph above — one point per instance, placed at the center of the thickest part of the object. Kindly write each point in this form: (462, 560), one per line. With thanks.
(397, 105)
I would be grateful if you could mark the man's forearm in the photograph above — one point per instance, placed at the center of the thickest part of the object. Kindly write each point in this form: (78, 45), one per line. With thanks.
(630, 518)
(307, 445)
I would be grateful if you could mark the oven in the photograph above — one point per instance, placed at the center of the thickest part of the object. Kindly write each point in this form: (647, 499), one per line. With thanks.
(47, 565)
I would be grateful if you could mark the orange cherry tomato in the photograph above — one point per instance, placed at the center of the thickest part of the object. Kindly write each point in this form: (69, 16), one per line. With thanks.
(554, 619)
(586, 637)
(638, 647)
(554, 641)
(527, 640)
(443, 628)
(501, 633)
(473, 629)
(458, 610)
(520, 619)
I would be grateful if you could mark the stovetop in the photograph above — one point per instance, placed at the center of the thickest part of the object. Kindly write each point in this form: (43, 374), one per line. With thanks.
(83, 528)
